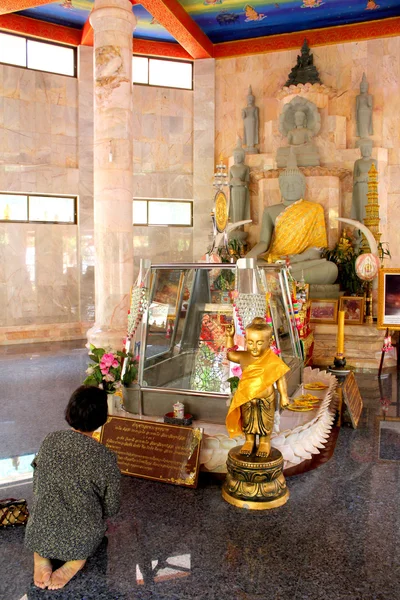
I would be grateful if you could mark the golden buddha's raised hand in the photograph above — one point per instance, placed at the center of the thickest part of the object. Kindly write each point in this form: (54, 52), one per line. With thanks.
(230, 329)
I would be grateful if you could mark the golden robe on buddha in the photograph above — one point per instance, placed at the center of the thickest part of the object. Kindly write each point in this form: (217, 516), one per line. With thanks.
(299, 227)
(256, 378)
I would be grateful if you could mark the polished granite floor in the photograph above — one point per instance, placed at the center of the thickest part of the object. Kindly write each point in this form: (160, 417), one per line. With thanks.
(336, 539)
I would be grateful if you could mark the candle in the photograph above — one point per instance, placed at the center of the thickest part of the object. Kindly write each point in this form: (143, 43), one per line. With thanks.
(340, 335)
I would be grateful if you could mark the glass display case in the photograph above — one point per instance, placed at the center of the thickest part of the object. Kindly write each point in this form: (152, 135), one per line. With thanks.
(182, 345)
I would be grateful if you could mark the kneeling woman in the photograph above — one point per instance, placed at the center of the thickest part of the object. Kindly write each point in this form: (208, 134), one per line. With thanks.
(76, 486)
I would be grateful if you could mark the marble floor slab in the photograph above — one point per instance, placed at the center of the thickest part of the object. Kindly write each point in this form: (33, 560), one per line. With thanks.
(336, 539)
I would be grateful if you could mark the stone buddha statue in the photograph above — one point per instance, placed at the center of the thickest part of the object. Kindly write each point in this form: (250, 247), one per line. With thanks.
(250, 116)
(239, 179)
(364, 110)
(360, 180)
(299, 122)
(295, 228)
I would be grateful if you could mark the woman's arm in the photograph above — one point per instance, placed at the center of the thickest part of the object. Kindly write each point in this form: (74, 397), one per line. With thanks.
(112, 495)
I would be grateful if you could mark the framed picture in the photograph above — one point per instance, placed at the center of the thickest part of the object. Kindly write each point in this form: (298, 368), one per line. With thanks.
(389, 299)
(353, 307)
(324, 311)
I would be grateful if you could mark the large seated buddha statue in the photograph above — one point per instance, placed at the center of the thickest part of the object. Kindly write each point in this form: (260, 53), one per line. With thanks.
(295, 228)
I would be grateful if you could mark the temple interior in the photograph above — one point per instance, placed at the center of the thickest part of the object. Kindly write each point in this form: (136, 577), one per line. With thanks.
(171, 172)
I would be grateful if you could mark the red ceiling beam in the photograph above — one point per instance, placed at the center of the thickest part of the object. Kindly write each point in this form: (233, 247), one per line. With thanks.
(40, 29)
(316, 37)
(171, 15)
(87, 34)
(10, 6)
(167, 49)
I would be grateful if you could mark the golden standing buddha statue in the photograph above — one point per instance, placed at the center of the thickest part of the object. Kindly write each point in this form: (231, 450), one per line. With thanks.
(252, 408)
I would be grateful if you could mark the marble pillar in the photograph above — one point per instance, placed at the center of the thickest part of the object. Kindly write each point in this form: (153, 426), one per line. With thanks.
(113, 23)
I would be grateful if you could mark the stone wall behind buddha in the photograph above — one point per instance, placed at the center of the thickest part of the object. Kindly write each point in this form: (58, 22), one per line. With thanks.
(340, 66)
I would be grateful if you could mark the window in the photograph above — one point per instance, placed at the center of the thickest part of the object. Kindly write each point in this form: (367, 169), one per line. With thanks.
(33, 208)
(54, 59)
(140, 69)
(13, 49)
(41, 56)
(162, 72)
(13, 207)
(163, 212)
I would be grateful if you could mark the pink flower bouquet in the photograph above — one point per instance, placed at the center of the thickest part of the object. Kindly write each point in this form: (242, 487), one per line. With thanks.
(105, 371)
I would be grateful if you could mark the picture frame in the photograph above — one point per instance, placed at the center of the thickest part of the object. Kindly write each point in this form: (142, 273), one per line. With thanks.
(324, 310)
(353, 307)
(389, 299)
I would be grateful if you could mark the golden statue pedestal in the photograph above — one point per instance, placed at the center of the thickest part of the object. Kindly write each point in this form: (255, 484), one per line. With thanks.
(253, 482)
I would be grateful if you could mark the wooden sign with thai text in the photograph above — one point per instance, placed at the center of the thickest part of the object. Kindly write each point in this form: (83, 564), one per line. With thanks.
(157, 451)
(352, 398)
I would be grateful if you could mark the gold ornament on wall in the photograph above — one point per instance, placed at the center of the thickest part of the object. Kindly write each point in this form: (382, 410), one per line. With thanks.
(221, 211)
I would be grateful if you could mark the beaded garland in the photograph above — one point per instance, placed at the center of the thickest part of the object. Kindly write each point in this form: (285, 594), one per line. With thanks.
(139, 303)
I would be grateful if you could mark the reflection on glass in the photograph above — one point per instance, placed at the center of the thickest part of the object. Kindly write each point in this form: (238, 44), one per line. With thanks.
(30, 256)
(189, 309)
(13, 207)
(162, 315)
(16, 469)
(70, 259)
(389, 439)
(87, 253)
(173, 567)
(52, 209)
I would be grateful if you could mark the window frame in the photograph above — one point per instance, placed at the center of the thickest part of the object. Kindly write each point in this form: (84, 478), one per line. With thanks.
(165, 87)
(27, 196)
(169, 200)
(50, 43)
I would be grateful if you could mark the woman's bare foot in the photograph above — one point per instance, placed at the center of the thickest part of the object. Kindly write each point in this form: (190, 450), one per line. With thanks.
(42, 570)
(61, 576)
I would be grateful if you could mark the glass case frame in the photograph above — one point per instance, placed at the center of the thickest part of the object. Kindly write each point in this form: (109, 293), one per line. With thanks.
(171, 350)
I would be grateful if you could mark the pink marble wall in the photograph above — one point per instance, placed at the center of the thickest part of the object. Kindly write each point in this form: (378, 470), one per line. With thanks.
(40, 265)
(163, 167)
(46, 146)
(341, 67)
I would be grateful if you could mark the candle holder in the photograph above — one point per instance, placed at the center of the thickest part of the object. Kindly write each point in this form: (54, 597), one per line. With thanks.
(339, 361)
(339, 366)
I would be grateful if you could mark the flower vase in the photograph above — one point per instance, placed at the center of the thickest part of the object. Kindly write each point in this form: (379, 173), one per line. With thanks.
(131, 395)
(110, 404)
(113, 403)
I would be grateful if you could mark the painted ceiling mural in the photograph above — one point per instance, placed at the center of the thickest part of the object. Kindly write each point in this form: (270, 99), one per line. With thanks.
(226, 20)
(230, 20)
(75, 13)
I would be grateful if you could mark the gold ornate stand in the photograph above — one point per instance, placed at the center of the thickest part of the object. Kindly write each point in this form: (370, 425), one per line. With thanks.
(255, 483)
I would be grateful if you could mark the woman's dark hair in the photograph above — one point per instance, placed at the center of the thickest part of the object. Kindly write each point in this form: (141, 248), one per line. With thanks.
(87, 408)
